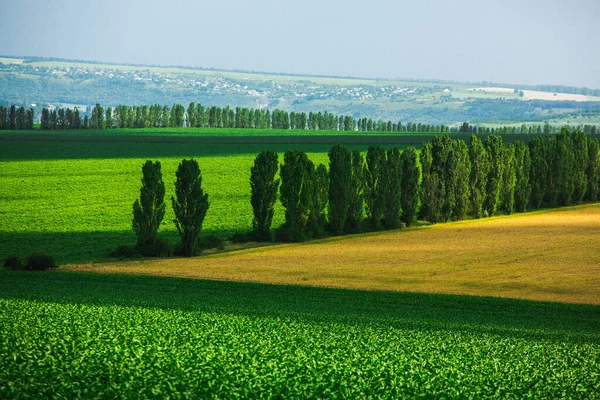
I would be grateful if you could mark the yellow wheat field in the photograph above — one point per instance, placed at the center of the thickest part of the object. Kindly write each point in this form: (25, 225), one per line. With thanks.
(552, 255)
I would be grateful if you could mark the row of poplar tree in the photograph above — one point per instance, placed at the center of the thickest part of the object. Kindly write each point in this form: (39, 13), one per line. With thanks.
(487, 177)
(16, 118)
(198, 116)
(451, 180)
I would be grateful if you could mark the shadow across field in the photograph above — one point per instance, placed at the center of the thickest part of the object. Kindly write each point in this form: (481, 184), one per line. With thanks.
(483, 315)
(72, 148)
(27, 146)
(80, 247)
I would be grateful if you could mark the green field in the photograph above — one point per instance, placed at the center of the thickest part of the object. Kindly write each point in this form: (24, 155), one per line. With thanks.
(113, 336)
(74, 199)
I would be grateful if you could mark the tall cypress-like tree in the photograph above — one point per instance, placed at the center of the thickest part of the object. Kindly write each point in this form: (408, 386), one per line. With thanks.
(190, 204)
(356, 194)
(76, 119)
(109, 118)
(462, 173)
(22, 118)
(264, 189)
(509, 178)
(580, 164)
(593, 170)
(340, 177)
(318, 180)
(149, 209)
(565, 182)
(409, 186)
(12, 118)
(98, 117)
(478, 177)
(551, 173)
(393, 176)
(191, 120)
(495, 150)
(296, 194)
(539, 171)
(444, 165)
(45, 119)
(30, 119)
(375, 185)
(430, 204)
(522, 176)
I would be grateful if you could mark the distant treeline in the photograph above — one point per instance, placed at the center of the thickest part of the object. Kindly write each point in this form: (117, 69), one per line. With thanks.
(16, 118)
(198, 116)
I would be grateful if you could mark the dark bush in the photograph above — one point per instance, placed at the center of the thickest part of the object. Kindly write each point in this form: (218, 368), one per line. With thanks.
(209, 242)
(39, 261)
(241, 237)
(13, 262)
(160, 248)
(125, 252)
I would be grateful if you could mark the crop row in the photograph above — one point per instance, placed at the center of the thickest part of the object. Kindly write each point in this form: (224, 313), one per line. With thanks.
(73, 350)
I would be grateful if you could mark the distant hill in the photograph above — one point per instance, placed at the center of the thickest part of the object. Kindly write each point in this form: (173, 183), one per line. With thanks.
(43, 81)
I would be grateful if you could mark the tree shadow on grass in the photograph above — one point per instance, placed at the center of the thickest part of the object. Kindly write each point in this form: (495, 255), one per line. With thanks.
(80, 247)
(22, 150)
(481, 315)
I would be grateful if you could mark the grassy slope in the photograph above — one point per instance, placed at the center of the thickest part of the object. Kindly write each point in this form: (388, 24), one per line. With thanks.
(549, 255)
(83, 335)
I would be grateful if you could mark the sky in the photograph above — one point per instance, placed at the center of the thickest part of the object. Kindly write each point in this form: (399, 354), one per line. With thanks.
(509, 41)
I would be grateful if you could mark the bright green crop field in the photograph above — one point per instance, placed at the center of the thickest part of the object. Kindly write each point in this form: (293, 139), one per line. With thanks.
(65, 335)
(74, 199)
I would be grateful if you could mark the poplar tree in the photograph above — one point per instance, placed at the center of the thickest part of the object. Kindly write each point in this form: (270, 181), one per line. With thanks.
(340, 176)
(98, 117)
(495, 152)
(565, 182)
(190, 204)
(295, 194)
(318, 180)
(109, 118)
(356, 194)
(264, 189)
(409, 185)
(522, 176)
(375, 185)
(430, 203)
(478, 176)
(580, 164)
(191, 120)
(393, 177)
(149, 209)
(462, 166)
(539, 171)
(593, 170)
(509, 178)
(550, 152)
(76, 119)
(443, 164)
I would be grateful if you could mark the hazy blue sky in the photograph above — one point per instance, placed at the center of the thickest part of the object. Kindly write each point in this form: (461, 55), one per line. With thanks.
(514, 41)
